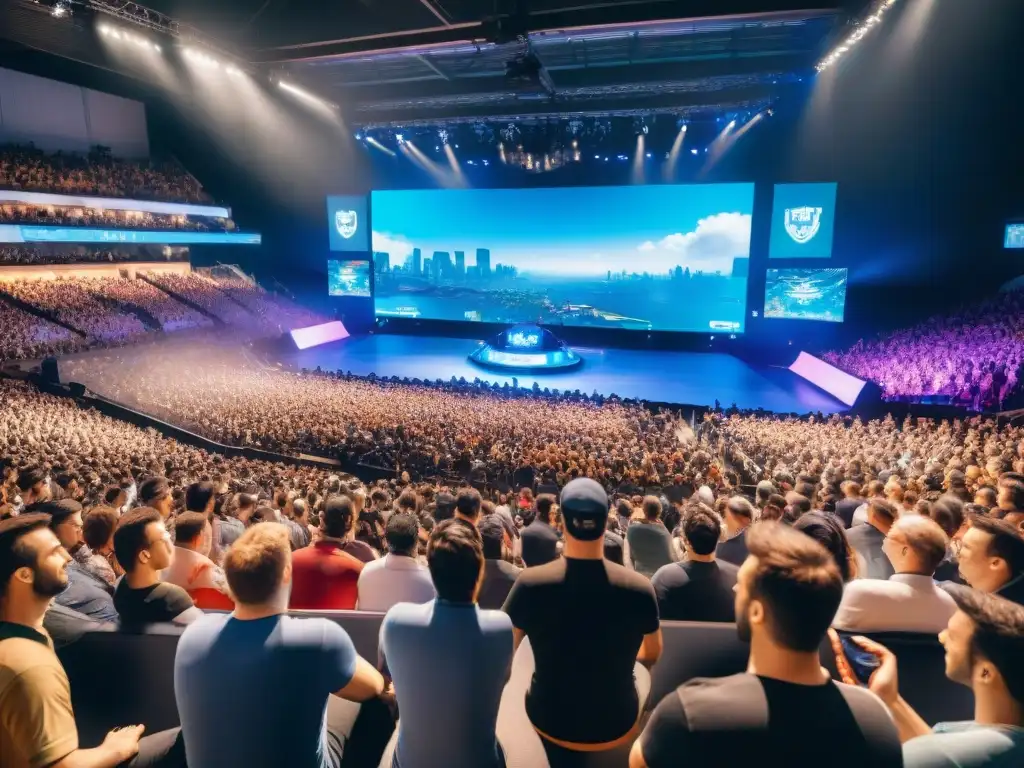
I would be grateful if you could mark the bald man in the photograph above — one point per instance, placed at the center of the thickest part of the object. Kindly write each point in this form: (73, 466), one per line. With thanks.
(909, 600)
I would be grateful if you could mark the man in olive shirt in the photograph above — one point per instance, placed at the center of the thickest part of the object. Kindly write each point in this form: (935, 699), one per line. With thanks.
(143, 547)
(37, 724)
(590, 622)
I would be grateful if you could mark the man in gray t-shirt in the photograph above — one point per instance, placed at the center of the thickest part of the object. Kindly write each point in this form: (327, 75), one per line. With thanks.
(259, 688)
(449, 661)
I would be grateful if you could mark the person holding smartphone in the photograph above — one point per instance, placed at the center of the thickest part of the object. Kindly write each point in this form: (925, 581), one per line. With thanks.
(984, 643)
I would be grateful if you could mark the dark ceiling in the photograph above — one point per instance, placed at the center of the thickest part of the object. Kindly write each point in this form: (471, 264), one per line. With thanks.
(388, 61)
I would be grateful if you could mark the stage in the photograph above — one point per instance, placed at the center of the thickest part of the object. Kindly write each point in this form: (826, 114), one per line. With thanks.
(688, 378)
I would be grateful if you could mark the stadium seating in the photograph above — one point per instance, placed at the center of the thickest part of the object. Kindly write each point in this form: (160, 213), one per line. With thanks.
(141, 687)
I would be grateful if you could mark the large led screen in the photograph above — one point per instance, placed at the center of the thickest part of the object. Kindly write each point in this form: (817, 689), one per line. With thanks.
(805, 294)
(803, 221)
(667, 258)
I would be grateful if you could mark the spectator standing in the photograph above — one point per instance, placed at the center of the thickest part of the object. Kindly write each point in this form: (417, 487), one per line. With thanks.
(540, 541)
(739, 514)
(143, 547)
(325, 575)
(648, 542)
(984, 645)
(909, 600)
(499, 574)
(256, 653)
(37, 726)
(867, 538)
(700, 588)
(397, 577)
(448, 659)
(784, 707)
(992, 558)
(600, 615)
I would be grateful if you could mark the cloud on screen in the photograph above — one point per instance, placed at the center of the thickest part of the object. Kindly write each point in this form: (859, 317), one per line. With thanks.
(715, 242)
(398, 248)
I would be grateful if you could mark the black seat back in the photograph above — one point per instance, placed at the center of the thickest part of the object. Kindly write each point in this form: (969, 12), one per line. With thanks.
(696, 649)
(923, 682)
(362, 626)
(125, 677)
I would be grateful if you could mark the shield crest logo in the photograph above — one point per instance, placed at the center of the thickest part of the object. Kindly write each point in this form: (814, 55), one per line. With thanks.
(346, 222)
(803, 224)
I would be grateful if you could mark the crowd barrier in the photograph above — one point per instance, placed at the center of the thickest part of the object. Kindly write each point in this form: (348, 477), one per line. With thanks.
(121, 676)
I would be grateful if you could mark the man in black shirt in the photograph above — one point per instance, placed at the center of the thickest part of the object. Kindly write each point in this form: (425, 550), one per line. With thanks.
(589, 622)
(739, 513)
(698, 589)
(784, 708)
(143, 547)
(539, 539)
(499, 574)
(852, 499)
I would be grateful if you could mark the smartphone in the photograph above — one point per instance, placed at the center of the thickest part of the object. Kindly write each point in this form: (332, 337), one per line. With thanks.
(861, 662)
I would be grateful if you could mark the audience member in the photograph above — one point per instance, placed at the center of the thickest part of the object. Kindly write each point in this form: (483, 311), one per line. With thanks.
(867, 539)
(700, 588)
(449, 660)
(37, 727)
(992, 558)
(499, 573)
(259, 687)
(191, 567)
(784, 708)
(86, 592)
(648, 542)
(909, 600)
(739, 514)
(540, 541)
(599, 615)
(98, 532)
(397, 577)
(984, 645)
(325, 576)
(143, 547)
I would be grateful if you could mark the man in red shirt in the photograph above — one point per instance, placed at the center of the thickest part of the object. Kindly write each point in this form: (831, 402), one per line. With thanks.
(324, 575)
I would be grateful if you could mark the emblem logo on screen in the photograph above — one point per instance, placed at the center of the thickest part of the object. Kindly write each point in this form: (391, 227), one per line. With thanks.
(346, 222)
(803, 224)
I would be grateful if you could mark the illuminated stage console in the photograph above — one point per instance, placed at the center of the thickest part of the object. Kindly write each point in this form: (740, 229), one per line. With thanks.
(525, 348)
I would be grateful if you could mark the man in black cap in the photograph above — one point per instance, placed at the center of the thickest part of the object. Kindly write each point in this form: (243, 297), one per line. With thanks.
(592, 624)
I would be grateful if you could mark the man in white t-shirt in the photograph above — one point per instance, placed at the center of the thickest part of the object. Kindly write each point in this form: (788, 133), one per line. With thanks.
(397, 577)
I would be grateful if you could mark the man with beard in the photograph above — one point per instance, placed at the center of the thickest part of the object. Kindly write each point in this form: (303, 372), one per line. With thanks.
(38, 725)
(784, 706)
(86, 592)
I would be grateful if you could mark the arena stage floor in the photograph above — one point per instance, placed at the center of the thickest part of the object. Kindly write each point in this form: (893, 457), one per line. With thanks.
(689, 378)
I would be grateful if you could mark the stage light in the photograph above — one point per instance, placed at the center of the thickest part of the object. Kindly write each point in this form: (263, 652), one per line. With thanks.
(487, 162)
(648, 154)
(359, 137)
(400, 138)
(597, 157)
(858, 34)
(61, 9)
(694, 151)
(470, 162)
(443, 136)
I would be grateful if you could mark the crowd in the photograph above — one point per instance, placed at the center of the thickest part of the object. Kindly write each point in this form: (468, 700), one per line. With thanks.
(271, 308)
(24, 336)
(972, 357)
(74, 301)
(428, 429)
(65, 216)
(17, 255)
(205, 293)
(99, 174)
(521, 625)
(172, 315)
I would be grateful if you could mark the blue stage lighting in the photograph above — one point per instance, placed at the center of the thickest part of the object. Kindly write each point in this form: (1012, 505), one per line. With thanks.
(400, 138)
(694, 151)
(648, 154)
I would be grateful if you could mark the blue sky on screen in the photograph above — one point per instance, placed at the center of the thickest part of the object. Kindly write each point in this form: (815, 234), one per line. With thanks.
(573, 231)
